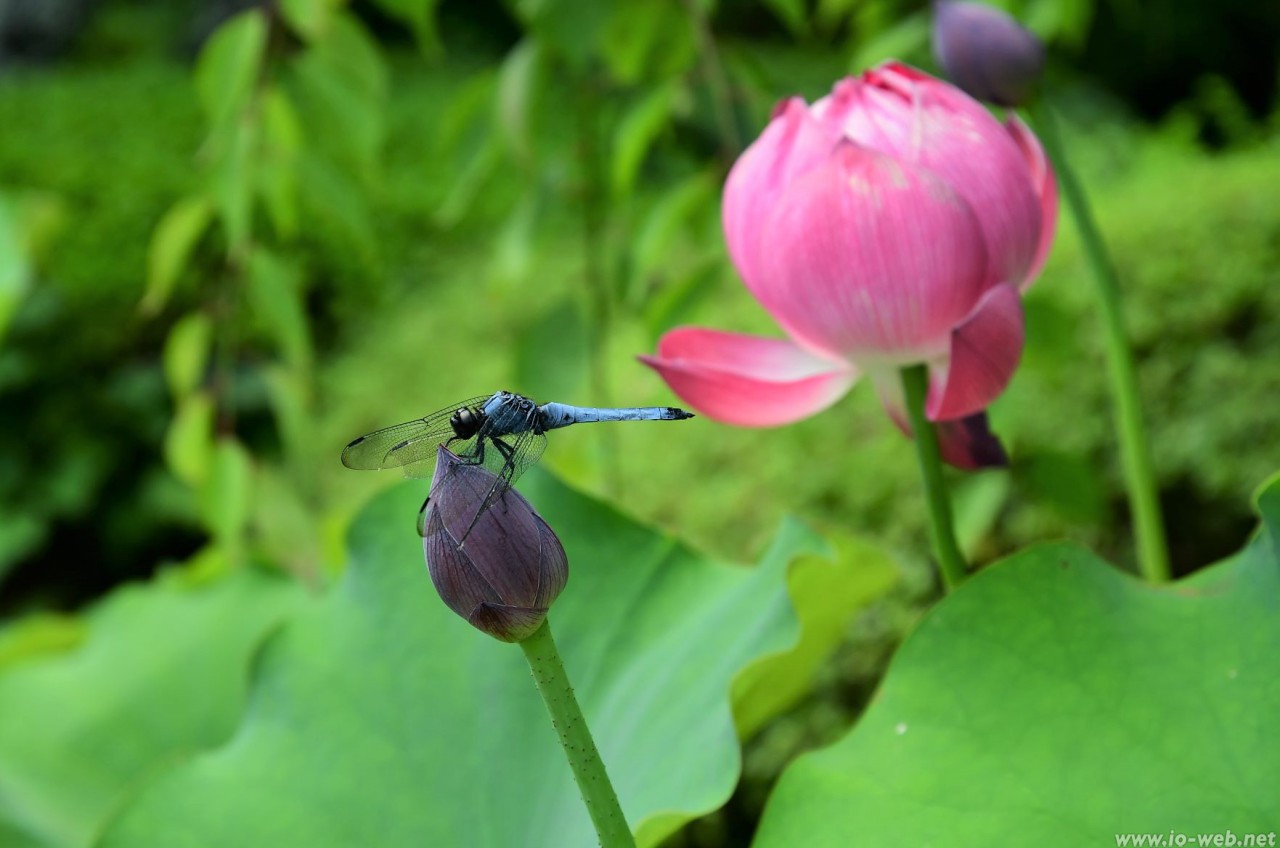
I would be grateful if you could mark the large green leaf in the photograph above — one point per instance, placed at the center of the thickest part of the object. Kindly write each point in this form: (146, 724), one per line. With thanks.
(383, 719)
(160, 671)
(1055, 698)
(823, 597)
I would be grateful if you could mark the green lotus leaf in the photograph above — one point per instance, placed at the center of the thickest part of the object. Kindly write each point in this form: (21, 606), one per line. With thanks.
(1056, 701)
(381, 718)
(157, 672)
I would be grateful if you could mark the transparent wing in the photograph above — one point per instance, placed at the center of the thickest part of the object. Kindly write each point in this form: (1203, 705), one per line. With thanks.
(406, 445)
(505, 454)
(526, 450)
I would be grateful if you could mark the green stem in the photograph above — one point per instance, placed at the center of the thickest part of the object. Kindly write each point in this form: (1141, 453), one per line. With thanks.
(717, 82)
(575, 737)
(951, 563)
(1135, 450)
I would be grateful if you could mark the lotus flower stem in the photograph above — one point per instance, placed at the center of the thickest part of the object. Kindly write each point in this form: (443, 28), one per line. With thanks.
(717, 82)
(1135, 451)
(951, 562)
(575, 737)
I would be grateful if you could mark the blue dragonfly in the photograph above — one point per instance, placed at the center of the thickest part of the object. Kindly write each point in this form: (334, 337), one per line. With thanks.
(505, 432)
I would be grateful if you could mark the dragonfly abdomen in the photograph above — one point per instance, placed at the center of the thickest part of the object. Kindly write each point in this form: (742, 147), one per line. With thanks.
(554, 415)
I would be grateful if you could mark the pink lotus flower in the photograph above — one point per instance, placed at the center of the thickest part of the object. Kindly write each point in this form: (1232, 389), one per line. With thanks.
(893, 222)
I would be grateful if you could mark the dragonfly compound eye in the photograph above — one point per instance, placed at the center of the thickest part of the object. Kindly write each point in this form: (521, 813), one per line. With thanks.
(465, 423)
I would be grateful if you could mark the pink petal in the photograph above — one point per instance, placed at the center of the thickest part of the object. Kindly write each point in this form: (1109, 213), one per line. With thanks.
(746, 380)
(908, 114)
(871, 257)
(1046, 185)
(791, 145)
(985, 350)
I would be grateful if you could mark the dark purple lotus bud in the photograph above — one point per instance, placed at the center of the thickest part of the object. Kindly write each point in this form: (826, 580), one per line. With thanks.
(986, 52)
(500, 571)
(968, 443)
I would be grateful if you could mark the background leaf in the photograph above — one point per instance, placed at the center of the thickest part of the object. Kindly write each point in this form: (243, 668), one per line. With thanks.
(421, 16)
(827, 590)
(340, 87)
(570, 27)
(172, 242)
(226, 495)
(441, 736)
(282, 135)
(186, 353)
(309, 18)
(275, 290)
(232, 180)
(1055, 697)
(792, 13)
(517, 98)
(229, 65)
(15, 269)
(635, 135)
(188, 443)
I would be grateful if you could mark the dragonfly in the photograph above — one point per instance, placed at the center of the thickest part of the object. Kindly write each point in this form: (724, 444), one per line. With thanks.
(505, 432)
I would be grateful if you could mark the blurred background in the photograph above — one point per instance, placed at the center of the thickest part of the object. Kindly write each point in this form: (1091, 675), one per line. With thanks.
(234, 236)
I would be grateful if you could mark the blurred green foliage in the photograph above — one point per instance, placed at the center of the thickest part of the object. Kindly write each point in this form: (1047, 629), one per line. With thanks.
(443, 247)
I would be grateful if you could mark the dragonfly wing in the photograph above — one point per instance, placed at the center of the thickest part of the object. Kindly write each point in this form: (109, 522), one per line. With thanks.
(411, 445)
(525, 454)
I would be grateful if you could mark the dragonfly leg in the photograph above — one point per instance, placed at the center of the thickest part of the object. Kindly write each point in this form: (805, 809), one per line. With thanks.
(503, 448)
(422, 517)
(476, 458)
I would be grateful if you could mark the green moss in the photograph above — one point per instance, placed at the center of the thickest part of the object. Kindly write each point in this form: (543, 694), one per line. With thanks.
(116, 145)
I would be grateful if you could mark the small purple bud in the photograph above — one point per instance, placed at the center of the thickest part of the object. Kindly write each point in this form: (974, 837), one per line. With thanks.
(510, 568)
(986, 52)
(968, 443)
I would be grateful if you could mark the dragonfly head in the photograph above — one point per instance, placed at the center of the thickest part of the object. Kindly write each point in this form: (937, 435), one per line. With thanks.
(466, 422)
